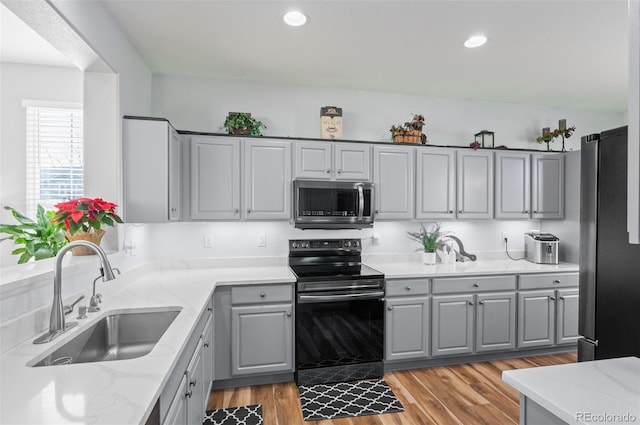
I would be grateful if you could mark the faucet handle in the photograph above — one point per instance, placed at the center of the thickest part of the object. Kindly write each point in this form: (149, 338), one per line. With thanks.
(68, 309)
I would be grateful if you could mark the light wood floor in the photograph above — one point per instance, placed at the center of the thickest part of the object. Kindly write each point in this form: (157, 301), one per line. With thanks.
(465, 394)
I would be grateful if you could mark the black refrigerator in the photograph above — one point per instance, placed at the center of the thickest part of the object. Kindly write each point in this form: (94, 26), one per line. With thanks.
(609, 314)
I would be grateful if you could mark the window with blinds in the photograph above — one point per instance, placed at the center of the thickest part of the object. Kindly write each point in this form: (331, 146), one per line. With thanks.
(54, 155)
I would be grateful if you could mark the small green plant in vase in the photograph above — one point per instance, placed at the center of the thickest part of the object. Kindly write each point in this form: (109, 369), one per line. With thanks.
(242, 124)
(431, 240)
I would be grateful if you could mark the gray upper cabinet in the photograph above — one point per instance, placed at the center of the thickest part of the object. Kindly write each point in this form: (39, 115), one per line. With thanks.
(536, 318)
(393, 179)
(435, 183)
(452, 325)
(261, 339)
(547, 185)
(215, 178)
(407, 328)
(152, 187)
(495, 321)
(267, 179)
(512, 185)
(474, 184)
(567, 316)
(332, 161)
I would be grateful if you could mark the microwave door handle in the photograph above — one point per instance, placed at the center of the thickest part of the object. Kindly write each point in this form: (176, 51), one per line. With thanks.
(360, 202)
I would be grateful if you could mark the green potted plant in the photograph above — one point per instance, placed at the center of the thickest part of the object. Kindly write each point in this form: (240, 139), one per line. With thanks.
(242, 124)
(431, 240)
(409, 132)
(40, 238)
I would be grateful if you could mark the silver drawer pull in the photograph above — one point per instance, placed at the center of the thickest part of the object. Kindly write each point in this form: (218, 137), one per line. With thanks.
(262, 295)
(390, 308)
(475, 285)
(556, 281)
(552, 298)
(470, 302)
(408, 287)
(288, 314)
(481, 302)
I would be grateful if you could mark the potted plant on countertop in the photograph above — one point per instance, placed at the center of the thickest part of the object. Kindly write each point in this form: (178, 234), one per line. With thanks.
(431, 240)
(83, 219)
(242, 124)
(41, 238)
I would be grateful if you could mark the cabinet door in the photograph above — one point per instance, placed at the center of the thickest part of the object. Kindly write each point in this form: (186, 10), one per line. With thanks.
(547, 186)
(175, 173)
(536, 318)
(215, 178)
(393, 182)
(261, 339)
(177, 413)
(352, 161)
(513, 185)
(452, 325)
(474, 184)
(267, 180)
(207, 358)
(567, 316)
(496, 321)
(407, 328)
(435, 184)
(313, 160)
(195, 388)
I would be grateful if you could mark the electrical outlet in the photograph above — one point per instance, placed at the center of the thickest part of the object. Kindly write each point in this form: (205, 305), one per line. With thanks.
(208, 241)
(262, 240)
(505, 237)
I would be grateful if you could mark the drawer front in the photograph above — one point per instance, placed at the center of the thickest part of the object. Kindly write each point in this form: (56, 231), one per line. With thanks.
(474, 284)
(548, 280)
(258, 294)
(407, 287)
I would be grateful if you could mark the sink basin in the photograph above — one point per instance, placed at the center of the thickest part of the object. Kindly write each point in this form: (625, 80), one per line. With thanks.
(118, 336)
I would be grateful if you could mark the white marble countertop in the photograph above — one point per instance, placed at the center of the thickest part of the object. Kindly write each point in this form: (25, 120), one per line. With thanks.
(415, 269)
(601, 391)
(123, 391)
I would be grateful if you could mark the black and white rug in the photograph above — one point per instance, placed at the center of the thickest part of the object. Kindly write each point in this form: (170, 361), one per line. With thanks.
(361, 398)
(243, 415)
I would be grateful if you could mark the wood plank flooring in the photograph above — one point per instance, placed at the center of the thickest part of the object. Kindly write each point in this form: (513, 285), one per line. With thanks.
(464, 394)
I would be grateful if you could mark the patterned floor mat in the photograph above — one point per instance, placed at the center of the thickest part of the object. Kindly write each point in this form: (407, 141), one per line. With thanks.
(347, 399)
(243, 415)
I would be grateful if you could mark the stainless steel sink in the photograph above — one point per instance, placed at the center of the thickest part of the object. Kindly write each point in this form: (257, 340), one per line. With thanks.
(114, 337)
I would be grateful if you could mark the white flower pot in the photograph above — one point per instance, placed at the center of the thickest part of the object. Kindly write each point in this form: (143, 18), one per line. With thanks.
(429, 258)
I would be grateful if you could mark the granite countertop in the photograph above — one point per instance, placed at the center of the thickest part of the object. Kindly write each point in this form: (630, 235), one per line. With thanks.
(412, 270)
(601, 391)
(123, 391)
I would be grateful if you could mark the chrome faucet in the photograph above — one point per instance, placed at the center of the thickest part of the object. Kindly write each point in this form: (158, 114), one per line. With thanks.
(57, 324)
(461, 253)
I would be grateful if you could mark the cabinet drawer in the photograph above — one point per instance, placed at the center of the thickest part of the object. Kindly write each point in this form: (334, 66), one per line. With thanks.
(407, 287)
(473, 284)
(549, 280)
(253, 294)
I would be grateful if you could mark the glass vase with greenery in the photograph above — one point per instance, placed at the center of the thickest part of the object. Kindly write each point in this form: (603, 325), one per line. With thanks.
(431, 239)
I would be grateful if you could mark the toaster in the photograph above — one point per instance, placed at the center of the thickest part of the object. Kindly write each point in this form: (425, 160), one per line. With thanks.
(541, 248)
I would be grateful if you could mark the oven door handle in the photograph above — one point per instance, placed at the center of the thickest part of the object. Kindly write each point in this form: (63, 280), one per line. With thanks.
(345, 297)
(360, 201)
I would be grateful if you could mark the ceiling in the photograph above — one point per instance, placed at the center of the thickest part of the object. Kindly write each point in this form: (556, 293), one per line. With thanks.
(570, 53)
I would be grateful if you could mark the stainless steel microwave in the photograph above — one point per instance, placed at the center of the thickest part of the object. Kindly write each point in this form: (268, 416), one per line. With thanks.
(332, 204)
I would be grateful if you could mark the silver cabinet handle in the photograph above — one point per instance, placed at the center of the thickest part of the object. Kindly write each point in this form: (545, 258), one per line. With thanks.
(390, 308)
(236, 210)
(339, 171)
(470, 302)
(552, 298)
(526, 211)
(561, 298)
(535, 212)
(248, 210)
(288, 314)
(450, 211)
(475, 285)
(193, 383)
(556, 281)
(460, 212)
(328, 171)
(189, 393)
(481, 302)
(206, 345)
(262, 295)
(408, 287)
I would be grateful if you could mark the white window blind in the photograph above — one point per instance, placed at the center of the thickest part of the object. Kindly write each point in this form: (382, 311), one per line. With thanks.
(54, 155)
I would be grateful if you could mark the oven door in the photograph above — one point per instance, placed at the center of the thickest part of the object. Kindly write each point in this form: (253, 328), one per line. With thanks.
(339, 329)
(333, 205)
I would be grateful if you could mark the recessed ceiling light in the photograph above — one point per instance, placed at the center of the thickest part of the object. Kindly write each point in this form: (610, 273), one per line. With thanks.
(475, 41)
(295, 18)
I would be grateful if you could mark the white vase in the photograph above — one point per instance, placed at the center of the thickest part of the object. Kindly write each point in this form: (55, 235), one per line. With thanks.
(429, 258)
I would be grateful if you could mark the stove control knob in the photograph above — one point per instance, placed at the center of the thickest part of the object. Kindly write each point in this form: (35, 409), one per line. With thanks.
(355, 244)
(294, 245)
(347, 244)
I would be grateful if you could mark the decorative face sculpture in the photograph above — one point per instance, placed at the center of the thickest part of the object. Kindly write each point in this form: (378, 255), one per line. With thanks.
(331, 122)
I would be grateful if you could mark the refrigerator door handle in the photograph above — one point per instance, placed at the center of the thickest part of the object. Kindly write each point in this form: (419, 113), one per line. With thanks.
(593, 342)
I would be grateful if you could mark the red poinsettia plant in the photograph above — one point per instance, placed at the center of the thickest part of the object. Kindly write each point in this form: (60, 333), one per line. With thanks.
(84, 214)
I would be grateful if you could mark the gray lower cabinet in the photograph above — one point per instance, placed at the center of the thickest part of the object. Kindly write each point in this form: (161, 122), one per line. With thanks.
(567, 316)
(452, 322)
(536, 318)
(495, 322)
(177, 413)
(261, 339)
(407, 328)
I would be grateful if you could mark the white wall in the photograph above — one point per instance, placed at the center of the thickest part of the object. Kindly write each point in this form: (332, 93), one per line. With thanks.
(18, 82)
(200, 104)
